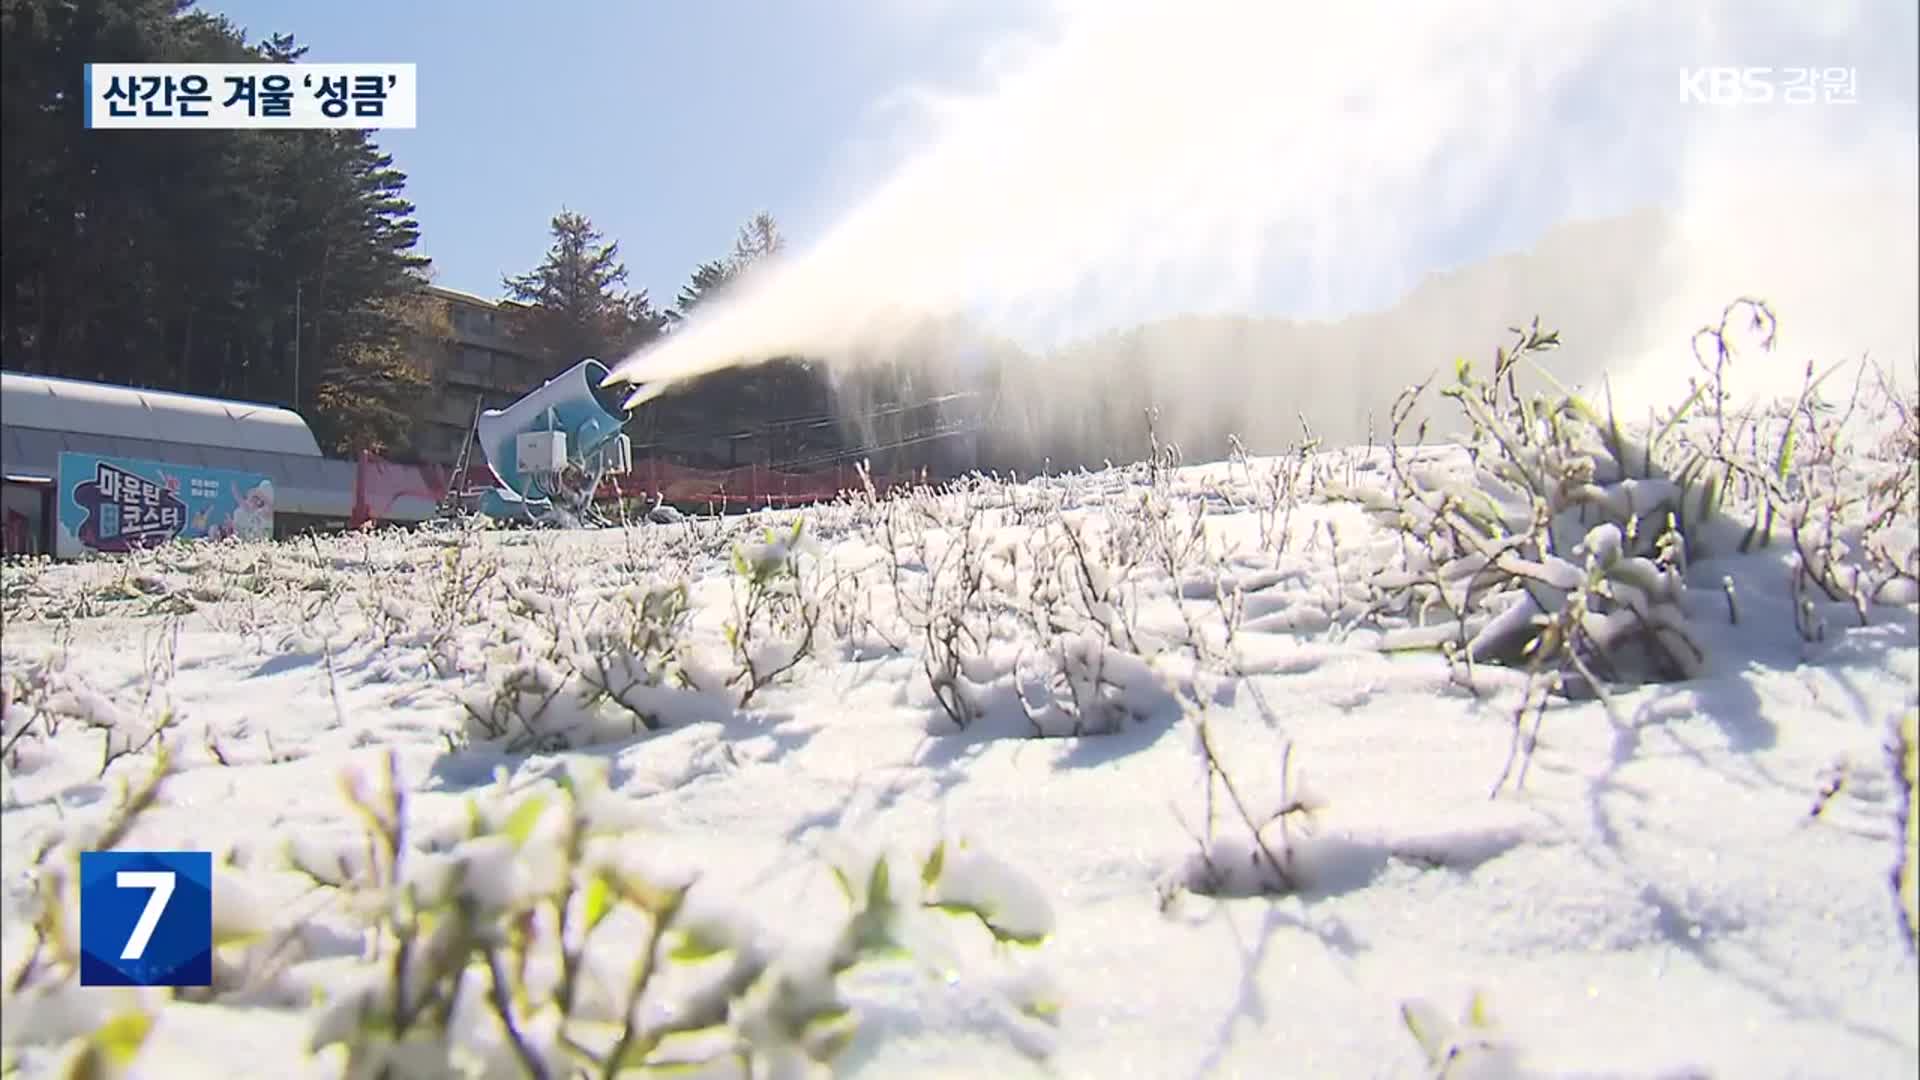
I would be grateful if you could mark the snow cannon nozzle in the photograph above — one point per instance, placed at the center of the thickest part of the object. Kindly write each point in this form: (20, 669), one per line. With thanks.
(605, 391)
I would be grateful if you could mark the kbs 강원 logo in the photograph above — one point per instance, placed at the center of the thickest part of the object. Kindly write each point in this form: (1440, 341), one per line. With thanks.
(146, 918)
(1765, 86)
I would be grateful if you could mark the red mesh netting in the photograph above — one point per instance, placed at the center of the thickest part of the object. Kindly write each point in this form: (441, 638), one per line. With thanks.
(748, 485)
(379, 484)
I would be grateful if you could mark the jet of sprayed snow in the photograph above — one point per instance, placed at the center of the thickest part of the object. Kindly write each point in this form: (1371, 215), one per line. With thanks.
(1147, 153)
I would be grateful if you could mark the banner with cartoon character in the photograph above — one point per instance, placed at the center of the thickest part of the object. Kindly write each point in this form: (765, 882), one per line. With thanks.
(119, 504)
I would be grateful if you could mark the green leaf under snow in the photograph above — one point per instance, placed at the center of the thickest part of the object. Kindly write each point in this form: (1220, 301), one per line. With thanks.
(1000, 933)
(119, 1039)
(930, 873)
(1043, 1009)
(1673, 421)
(1478, 1015)
(520, 823)
(640, 1050)
(1761, 531)
(691, 947)
(655, 900)
(598, 901)
(1428, 1028)
(876, 943)
(829, 1032)
(225, 938)
(1709, 496)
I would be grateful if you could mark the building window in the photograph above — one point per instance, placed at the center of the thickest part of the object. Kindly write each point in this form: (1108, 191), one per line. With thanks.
(473, 320)
(475, 361)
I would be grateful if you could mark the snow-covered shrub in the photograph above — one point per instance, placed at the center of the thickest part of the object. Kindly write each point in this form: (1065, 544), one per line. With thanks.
(40, 698)
(777, 608)
(946, 597)
(1253, 851)
(1093, 671)
(1560, 539)
(1544, 549)
(1088, 687)
(41, 1001)
(25, 591)
(538, 938)
(422, 604)
(1278, 486)
(627, 647)
(1010, 599)
(561, 672)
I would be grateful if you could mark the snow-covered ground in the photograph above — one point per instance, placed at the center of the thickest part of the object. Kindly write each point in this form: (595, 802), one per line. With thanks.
(1694, 879)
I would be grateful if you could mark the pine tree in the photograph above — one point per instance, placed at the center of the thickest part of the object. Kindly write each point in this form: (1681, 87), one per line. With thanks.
(709, 280)
(760, 238)
(645, 322)
(367, 401)
(178, 262)
(576, 306)
(356, 286)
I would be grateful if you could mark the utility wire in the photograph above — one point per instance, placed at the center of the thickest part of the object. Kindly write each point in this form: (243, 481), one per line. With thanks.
(814, 421)
(915, 439)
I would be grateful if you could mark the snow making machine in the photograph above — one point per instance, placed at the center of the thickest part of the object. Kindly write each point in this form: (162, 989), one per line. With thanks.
(550, 450)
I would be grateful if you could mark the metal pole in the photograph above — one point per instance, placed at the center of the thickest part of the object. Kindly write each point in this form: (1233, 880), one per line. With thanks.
(296, 347)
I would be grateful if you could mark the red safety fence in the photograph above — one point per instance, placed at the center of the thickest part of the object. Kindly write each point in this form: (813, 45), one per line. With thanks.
(19, 533)
(380, 485)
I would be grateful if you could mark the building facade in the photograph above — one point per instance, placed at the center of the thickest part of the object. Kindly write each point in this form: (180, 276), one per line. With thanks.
(43, 417)
(478, 363)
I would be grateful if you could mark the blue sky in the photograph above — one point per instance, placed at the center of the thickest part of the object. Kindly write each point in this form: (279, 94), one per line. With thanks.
(668, 124)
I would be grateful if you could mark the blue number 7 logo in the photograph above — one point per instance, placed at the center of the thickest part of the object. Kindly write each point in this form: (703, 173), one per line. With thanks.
(146, 918)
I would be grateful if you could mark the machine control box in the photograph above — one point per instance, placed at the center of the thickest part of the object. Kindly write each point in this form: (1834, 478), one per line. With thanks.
(540, 451)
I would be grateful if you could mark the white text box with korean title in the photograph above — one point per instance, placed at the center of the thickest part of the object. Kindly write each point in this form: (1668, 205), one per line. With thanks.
(263, 95)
